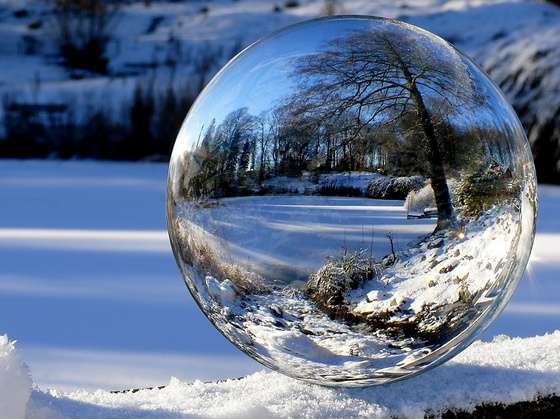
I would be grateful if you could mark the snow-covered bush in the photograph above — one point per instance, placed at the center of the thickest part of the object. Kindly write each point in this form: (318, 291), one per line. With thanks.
(367, 184)
(370, 184)
(347, 183)
(329, 285)
(15, 382)
(386, 187)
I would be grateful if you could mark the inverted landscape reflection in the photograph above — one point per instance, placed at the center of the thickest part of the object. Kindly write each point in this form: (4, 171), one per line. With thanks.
(351, 201)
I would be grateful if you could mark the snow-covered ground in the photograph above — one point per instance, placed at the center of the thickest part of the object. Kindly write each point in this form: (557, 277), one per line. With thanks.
(273, 232)
(504, 370)
(88, 285)
(85, 257)
(90, 290)
(15, 381)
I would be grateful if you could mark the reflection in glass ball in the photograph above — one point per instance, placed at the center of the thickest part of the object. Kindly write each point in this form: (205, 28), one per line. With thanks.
(351, 201)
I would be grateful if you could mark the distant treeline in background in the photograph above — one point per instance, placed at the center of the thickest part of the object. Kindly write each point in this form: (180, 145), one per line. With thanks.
(82, 40)
(138, 126)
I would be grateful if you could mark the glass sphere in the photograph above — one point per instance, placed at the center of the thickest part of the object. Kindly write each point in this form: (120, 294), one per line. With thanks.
(351, 201)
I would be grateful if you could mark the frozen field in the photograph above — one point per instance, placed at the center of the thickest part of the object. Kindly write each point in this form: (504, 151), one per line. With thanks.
(297, 234)
(89, 287)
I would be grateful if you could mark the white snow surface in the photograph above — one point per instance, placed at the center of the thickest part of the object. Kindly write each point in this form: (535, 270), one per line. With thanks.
(422, 265)
(130, 333)
(504, 370)
(15, 382)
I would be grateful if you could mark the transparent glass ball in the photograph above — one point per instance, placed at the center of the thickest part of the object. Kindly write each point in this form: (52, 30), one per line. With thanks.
(351, 201)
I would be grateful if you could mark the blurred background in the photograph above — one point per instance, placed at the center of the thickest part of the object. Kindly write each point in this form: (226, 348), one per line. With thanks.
(92, 95)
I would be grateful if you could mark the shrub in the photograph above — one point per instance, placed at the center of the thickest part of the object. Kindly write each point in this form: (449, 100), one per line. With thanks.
(329, 285)
(394, 187)
(480, 191)
(83, 32)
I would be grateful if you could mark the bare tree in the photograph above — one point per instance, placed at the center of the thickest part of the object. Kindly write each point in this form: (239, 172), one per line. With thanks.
(381, 77)
(266, 130)
(83, 30)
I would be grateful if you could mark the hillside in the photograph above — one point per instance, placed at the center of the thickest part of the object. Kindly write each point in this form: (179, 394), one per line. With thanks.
(158, 55)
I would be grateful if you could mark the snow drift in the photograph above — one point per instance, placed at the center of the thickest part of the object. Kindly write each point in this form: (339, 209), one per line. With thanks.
(15, 382)
(506, 370)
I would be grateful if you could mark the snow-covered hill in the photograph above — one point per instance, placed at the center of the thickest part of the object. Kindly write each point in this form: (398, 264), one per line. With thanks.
(156, 44)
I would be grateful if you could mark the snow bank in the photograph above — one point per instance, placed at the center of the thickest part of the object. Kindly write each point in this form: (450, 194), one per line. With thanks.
(15, 382)
(505, 370)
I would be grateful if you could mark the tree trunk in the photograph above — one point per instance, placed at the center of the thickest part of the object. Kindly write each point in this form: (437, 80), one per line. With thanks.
(445, 211)
(446, 215)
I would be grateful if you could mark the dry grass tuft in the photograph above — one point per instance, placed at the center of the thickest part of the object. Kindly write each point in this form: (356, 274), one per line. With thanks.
(198, 251)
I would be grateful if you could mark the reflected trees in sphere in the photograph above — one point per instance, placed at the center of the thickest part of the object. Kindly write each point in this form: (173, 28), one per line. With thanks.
(351, 201)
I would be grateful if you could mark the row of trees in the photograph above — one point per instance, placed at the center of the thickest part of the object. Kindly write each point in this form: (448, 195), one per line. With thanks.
(244, 150)
(236, 156)
(143, 128)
